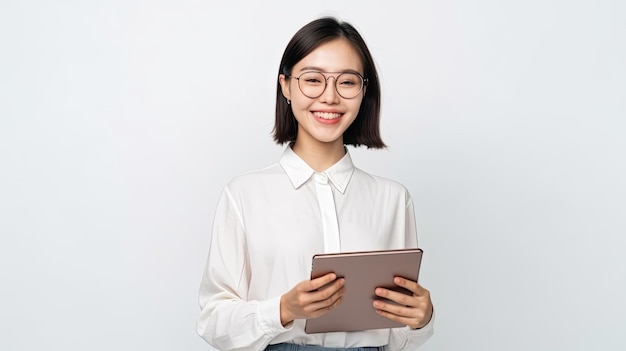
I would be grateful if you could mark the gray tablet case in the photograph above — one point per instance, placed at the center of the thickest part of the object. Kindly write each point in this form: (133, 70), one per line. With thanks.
(363, 271)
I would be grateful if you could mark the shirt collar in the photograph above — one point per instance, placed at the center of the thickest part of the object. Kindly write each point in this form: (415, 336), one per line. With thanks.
(299, 172)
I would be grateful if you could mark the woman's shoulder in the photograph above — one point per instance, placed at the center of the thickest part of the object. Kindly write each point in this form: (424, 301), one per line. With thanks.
(255, 177)
(380, 182)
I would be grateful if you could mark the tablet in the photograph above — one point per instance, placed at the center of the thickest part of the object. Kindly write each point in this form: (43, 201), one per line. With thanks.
(363, 272)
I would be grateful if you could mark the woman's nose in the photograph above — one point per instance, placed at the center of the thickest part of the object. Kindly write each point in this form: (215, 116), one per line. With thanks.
(330, 95)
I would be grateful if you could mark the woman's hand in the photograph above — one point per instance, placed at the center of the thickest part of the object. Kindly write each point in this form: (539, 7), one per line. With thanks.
(413, 310)
(311, 298)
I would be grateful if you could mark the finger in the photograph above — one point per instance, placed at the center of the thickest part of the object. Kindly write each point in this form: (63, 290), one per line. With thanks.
(394, 317)
(321, 281)
(323, 306)
(316, 283)
(399, 298)
(393, 308)
(413, 317)
(305, 294)
(406, 283)
(411, 285)
(328, 291)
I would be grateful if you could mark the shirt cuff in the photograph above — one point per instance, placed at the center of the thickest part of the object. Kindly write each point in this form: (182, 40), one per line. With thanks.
(427, 329)
(268, 317)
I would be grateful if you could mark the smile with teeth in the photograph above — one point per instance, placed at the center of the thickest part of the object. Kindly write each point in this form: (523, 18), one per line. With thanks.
(326, 115)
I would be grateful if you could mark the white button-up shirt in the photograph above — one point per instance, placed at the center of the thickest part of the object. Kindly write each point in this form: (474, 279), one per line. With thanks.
(268, 225)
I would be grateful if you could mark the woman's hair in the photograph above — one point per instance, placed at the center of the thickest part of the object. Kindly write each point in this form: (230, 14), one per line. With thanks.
(365, 129)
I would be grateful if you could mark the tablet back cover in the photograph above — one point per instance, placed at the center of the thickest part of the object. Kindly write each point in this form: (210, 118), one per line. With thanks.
(363, 271)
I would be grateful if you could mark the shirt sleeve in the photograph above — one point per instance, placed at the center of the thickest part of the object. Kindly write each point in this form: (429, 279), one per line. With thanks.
(407, 338)
(410, 227)
(228, 321)
(410, 339)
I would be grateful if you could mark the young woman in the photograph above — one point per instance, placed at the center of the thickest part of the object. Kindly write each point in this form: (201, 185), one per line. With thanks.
(256, 292)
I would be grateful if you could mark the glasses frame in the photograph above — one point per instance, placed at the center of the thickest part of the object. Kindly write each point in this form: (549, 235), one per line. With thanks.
(363, 82)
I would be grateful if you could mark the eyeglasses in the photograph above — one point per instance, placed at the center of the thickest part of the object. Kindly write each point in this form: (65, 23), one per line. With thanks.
(347, 84)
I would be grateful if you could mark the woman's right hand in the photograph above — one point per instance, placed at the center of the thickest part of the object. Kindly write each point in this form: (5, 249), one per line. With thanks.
(311, 298)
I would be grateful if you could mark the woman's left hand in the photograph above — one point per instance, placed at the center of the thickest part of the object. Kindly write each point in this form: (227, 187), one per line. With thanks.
(413, 310)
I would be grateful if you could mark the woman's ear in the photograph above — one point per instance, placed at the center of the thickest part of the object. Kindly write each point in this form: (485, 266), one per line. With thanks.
(284, 85)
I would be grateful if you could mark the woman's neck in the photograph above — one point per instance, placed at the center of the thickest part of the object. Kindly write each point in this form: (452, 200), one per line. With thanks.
(319, 156)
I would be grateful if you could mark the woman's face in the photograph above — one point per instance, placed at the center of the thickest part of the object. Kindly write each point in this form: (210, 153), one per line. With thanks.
(324, 119)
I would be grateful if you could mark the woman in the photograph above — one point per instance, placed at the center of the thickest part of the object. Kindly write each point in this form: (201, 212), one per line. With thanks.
(256, 292)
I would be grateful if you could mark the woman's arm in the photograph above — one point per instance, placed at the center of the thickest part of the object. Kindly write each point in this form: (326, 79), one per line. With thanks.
(227, 319)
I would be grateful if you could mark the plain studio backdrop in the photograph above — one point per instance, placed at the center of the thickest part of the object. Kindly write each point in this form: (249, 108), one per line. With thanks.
(121, 121)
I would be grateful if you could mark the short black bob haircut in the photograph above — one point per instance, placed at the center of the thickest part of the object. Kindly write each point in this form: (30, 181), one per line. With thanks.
(365, 129)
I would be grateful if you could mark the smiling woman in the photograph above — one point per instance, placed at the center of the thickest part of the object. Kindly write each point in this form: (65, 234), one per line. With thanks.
(121, 121)
(322, 113)
(256, 290)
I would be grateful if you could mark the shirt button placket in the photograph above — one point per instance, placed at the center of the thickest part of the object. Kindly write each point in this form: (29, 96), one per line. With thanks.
(332, 243)
(328, 213)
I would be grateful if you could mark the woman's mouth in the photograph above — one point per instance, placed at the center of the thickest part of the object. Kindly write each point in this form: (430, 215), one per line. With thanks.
(327, 117)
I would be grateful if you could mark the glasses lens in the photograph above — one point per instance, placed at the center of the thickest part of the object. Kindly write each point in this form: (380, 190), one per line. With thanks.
(349, 85)
(312, 84)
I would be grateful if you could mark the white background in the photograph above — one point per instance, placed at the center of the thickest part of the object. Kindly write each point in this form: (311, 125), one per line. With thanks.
(122, 120)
